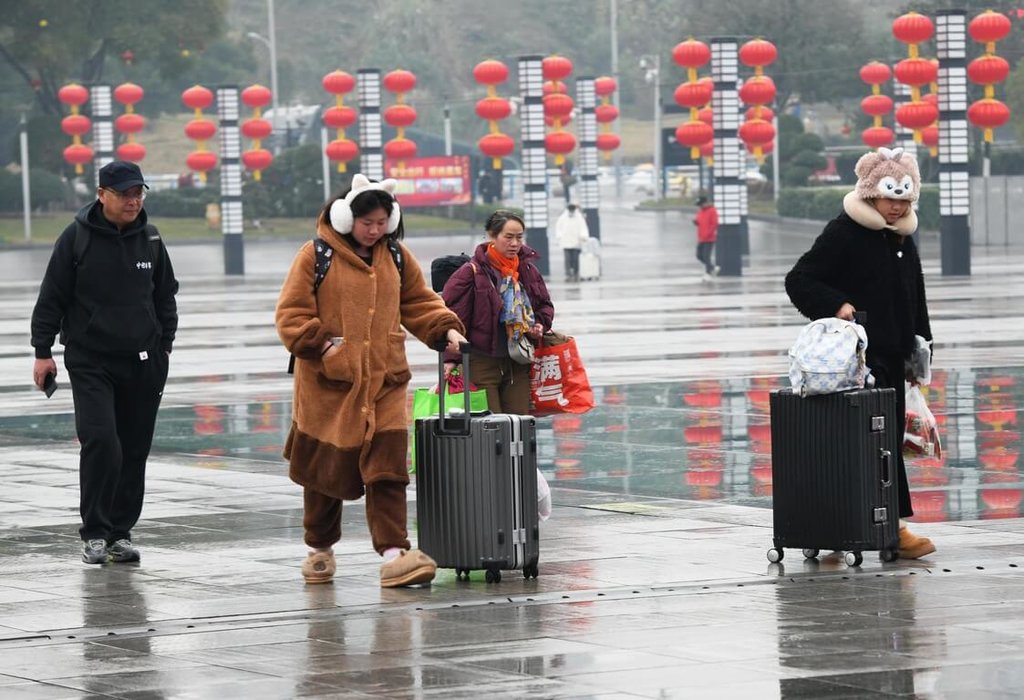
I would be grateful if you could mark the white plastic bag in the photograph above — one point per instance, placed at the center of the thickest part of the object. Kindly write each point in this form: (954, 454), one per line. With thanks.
(919, 366)
(543, 497)
(921, 434)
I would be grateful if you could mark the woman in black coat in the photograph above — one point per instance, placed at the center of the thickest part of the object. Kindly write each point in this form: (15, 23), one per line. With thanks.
(865, 260)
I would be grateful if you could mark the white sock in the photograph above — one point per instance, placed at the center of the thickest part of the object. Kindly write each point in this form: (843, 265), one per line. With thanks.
(391, 553)
(903, 523)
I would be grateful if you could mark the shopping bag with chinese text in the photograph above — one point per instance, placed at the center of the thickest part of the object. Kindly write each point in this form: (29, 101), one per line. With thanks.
(558, 381)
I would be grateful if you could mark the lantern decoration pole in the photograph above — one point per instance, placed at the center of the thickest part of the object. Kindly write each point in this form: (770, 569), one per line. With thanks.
(759, 91)
(26, 190)
(916, 114)
(954, 179)
(494, 144)
(399, 116)
(695, 94)
(930, 134)
(199, 129)
(339, 117)
(589, 194)
(533, 161)
(903, 135)
(370, 137)
(325, 163)
(876, 105)
(75, 125)
(101, 102)
(606, 113)
(558, 108)
(230, 179)
(988, 113)
(129, 123)
(256, 129)
(728, 159)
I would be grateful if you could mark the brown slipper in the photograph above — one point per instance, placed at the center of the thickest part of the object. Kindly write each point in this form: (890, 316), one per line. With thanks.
(318, 567)
(913, 546)
(409, 568)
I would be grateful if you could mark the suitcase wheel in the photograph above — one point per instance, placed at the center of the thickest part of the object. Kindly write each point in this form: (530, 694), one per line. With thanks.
(810, 553)
(530, 571)
(493, 576)
(462, 574)
(853, 558)
(888, 555)
(775, 555)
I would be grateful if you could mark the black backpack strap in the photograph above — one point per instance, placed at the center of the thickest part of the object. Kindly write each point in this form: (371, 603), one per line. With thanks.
(322, 263)
(81, 243)
(396, 254)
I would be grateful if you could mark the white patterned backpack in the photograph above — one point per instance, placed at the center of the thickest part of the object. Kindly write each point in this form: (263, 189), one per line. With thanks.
(829, 356)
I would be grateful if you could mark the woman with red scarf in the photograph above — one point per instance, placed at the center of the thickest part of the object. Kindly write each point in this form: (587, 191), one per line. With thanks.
(501, 298)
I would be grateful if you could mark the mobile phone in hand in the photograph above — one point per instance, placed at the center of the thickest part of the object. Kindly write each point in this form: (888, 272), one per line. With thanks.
(50, 384)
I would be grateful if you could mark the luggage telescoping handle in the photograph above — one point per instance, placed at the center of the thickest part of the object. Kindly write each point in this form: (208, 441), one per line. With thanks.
(443, 423)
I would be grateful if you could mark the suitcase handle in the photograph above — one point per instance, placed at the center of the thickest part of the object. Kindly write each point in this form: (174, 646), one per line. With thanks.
(442, 389)
(886, 456)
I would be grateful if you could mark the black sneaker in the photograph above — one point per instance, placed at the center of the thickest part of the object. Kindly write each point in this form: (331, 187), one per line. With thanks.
(94, 551)
(123, 551)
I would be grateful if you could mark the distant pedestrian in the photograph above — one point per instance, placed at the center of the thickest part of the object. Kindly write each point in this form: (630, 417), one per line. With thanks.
(572, 232)
(706, 221)
(109, 290)
(567, 179)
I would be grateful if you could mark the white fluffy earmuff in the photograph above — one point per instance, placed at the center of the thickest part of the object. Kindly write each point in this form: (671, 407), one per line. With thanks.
(341, 209)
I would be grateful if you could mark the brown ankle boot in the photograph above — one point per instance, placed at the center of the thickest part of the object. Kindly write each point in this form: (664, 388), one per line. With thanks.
(912, 546)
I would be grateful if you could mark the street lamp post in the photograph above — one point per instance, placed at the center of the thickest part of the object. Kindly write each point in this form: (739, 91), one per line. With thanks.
(652, 75)
(271, 45)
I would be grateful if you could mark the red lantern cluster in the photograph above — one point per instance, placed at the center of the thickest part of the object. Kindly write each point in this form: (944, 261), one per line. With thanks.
(605, 113)
(200, 130)
(558, 107)
(493, 109)
(339, 117)
(693, 94)
(400, 116)
(75, 125)
(129, 123)
(256, 129)
(988, 113)
(876, 105)
(912, 29)
(758, 132)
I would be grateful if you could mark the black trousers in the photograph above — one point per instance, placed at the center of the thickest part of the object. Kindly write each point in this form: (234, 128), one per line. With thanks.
(889, 371)
(704, 255)
(116, 401)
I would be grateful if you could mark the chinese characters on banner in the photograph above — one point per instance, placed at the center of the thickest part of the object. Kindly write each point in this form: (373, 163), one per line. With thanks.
(431, 182)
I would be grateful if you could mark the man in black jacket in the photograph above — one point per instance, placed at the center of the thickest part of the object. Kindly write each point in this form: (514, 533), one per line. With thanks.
(109, 291)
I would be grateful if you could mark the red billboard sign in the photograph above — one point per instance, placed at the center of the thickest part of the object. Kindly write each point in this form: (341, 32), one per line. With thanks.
(431, 182)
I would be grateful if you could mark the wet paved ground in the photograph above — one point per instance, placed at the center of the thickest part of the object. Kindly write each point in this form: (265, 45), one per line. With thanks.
(654, 582)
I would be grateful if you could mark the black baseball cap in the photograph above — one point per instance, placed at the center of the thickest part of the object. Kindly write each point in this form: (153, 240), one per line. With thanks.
(120, 175)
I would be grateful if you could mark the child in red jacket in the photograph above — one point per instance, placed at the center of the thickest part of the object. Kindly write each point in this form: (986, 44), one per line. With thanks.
(707, 231)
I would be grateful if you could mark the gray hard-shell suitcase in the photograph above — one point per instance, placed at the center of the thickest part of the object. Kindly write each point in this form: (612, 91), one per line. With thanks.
(834, 481)
(476, 489)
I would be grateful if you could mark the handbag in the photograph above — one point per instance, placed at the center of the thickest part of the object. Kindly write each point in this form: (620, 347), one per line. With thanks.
(558, 380)
(829, 356)
(521, 350)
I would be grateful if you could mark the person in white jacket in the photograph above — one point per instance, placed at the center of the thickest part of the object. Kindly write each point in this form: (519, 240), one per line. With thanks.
(571, 229)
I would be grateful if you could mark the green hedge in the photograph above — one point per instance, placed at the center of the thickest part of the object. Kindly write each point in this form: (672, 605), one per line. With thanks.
(187, 202)
(46, 189)
(825, 203)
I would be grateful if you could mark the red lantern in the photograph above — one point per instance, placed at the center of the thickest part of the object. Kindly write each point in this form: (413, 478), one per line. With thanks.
(756, 112)
(877, 136)
(200, 129)
(257, 159)
(988, 114)
(78, 154)
(135, 152)
(875, 73)
(256, 96)
(197, 97)
(931, 98)
(338, 82)
(493, 108)
(765, 148)
(552, 86)
(876, 105)
(400, 115)
(130, 123)
(558, 105)
(912, 28)
(562, 121)
(707, 150)
(339, 117)
(490, 72)
(691, 53)
(73, 94)
(256, 130)
(759, 90)
(988, 69)
(758, 53)
(496, 145)
(694, 134)
(756, 132)
(201, 161)
(400, 149)
(342, 150)
(559, 142)
(608, 142)
(128, 93)
(606, 113)
(604, 86)
(556, 68)
(694, 94)
(989, 27)
(916, 71)
(75, 124)
(930, 136)
(916, 115)
(398, 81)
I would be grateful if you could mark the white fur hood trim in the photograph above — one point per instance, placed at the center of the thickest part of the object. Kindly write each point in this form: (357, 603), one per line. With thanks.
(867, 216)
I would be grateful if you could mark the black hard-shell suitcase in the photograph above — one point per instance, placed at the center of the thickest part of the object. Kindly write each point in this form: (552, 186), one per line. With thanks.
(834, 479)
(476, 489)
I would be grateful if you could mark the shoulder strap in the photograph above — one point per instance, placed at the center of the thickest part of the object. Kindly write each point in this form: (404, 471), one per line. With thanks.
(322, 263)
(396, 254)
(81, 244)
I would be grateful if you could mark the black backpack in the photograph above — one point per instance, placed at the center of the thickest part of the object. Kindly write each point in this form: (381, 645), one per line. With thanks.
(441, 269)
(322, 263)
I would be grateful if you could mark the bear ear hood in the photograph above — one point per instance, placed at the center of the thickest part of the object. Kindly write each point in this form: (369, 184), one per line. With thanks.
(889, 173)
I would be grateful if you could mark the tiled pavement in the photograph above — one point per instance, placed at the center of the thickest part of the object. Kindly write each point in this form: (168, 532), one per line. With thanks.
(654, 582)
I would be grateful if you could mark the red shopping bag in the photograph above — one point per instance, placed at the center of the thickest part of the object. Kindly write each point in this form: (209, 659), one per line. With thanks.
(558, 381)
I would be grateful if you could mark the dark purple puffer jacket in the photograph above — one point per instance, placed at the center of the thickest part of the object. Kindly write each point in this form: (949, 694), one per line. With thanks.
(474, 297)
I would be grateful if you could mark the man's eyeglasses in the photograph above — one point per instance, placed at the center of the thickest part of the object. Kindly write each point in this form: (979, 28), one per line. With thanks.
(140, 194)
